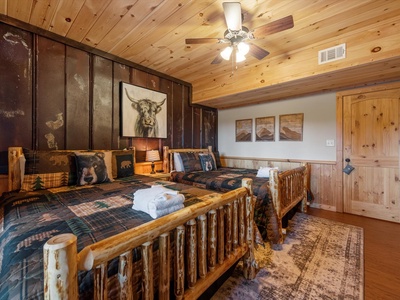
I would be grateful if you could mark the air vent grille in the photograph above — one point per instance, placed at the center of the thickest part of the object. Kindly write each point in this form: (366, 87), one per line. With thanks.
(332, 54)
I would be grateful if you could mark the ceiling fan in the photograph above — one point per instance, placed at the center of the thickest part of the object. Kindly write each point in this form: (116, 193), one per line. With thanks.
(237, 36)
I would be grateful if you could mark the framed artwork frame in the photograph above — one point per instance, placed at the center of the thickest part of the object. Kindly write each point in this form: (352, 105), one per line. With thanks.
(265, 129)
(291, 127)
(243, 131)
(143, 112)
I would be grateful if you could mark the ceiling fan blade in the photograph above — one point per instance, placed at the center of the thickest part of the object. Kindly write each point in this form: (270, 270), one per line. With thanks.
(273, 27)
(218, 59)
(233, 15)
(257, 51)
(202, 41)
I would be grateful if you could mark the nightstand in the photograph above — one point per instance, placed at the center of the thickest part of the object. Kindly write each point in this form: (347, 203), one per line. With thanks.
(161, 176)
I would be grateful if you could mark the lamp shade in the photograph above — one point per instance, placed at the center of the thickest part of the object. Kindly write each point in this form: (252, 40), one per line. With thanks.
(152, 155)
(243, 48)
(226, 53)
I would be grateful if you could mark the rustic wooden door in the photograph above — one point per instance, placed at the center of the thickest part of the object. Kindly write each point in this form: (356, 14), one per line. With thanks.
(371, 122)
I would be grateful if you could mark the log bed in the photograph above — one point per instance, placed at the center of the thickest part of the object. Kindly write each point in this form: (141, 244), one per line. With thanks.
(286, 189)
(196, 245)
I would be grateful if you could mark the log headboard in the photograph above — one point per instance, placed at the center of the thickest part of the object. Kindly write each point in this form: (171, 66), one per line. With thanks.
(168, 155)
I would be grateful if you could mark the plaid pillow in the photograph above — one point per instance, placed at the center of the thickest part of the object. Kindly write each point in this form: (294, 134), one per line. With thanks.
(191, 161)
(33, 182)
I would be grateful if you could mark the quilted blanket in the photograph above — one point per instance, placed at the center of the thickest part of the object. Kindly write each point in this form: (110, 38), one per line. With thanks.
(92, 213)
(226, 179)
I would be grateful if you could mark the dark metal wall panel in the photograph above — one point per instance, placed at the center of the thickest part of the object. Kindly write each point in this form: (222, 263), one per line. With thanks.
(177, 116)
(209, 128)
(187, 111)
(77, 115)
(16, 58)
(50, 94)
(197, 125)
(121, 74)
(166, 87)
(102, 107)
(54, 95)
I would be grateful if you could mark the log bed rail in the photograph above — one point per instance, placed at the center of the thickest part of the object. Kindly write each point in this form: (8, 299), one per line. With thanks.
(209, 237)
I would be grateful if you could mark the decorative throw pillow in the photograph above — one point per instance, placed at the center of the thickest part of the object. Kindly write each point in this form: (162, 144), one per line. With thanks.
(122, 163)
(191, 161)
(92, 167)
(178, 163)
(207, 162)
(33, 182)
(55, 161)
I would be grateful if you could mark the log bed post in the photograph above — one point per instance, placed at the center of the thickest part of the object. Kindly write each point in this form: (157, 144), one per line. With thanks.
(166, 165)
(276, 195)
(60, 267)
(249, 262)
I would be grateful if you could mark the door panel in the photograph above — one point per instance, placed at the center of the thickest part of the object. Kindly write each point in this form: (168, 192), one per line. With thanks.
(371, 142)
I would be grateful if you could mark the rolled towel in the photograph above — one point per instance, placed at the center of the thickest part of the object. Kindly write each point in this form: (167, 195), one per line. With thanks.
(165, 200)
(162, 212)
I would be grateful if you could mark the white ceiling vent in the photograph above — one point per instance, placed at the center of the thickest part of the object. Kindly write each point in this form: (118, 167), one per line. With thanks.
(332, 54)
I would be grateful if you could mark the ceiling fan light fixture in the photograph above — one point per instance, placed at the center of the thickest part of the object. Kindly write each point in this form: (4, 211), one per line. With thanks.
(240, 57)
(243, 48)
(226, 53)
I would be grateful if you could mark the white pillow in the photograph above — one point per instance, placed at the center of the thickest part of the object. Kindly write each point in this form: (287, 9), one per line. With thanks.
(264, 171)
(178, 163)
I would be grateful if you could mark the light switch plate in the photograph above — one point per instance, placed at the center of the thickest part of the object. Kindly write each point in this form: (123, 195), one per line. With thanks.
(330, 143)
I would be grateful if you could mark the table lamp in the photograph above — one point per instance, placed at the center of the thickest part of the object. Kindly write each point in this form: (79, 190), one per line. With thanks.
(152, 155)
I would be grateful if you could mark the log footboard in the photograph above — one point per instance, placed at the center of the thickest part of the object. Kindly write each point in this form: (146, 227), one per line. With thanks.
(209, 237)
(288, 188)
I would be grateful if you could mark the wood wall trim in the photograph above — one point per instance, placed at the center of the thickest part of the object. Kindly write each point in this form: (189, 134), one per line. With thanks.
(325, 162)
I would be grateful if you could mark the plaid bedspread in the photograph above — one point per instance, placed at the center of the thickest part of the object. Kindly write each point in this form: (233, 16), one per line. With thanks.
(28, 220)
(226, 179)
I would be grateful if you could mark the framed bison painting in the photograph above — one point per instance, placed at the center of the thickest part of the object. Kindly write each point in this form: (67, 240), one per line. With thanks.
(144, 112)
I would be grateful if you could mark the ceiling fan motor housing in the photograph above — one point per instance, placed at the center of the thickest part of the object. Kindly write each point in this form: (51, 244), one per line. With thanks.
(237, 36)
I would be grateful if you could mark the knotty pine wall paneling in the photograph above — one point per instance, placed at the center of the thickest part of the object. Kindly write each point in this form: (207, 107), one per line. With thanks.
(77, 113)
(16, 67)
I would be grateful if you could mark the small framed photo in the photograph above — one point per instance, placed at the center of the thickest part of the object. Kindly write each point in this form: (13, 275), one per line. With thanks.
(244, 130)
(291, 127)
(265, 129)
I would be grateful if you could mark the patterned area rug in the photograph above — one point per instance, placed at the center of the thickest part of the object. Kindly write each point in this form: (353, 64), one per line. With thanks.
(320, 259)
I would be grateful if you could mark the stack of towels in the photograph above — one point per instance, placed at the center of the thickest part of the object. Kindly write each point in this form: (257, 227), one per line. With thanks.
(157, 201)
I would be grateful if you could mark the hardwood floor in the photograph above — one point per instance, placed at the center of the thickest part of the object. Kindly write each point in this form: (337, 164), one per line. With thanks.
(381, 253)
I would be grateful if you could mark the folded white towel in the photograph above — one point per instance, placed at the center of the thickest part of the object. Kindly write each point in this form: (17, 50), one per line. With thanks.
(165, 200)
(264, 171)
(157, 201)
(162, 212)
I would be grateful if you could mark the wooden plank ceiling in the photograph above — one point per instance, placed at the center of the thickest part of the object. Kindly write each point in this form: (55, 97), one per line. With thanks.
(152, 33)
